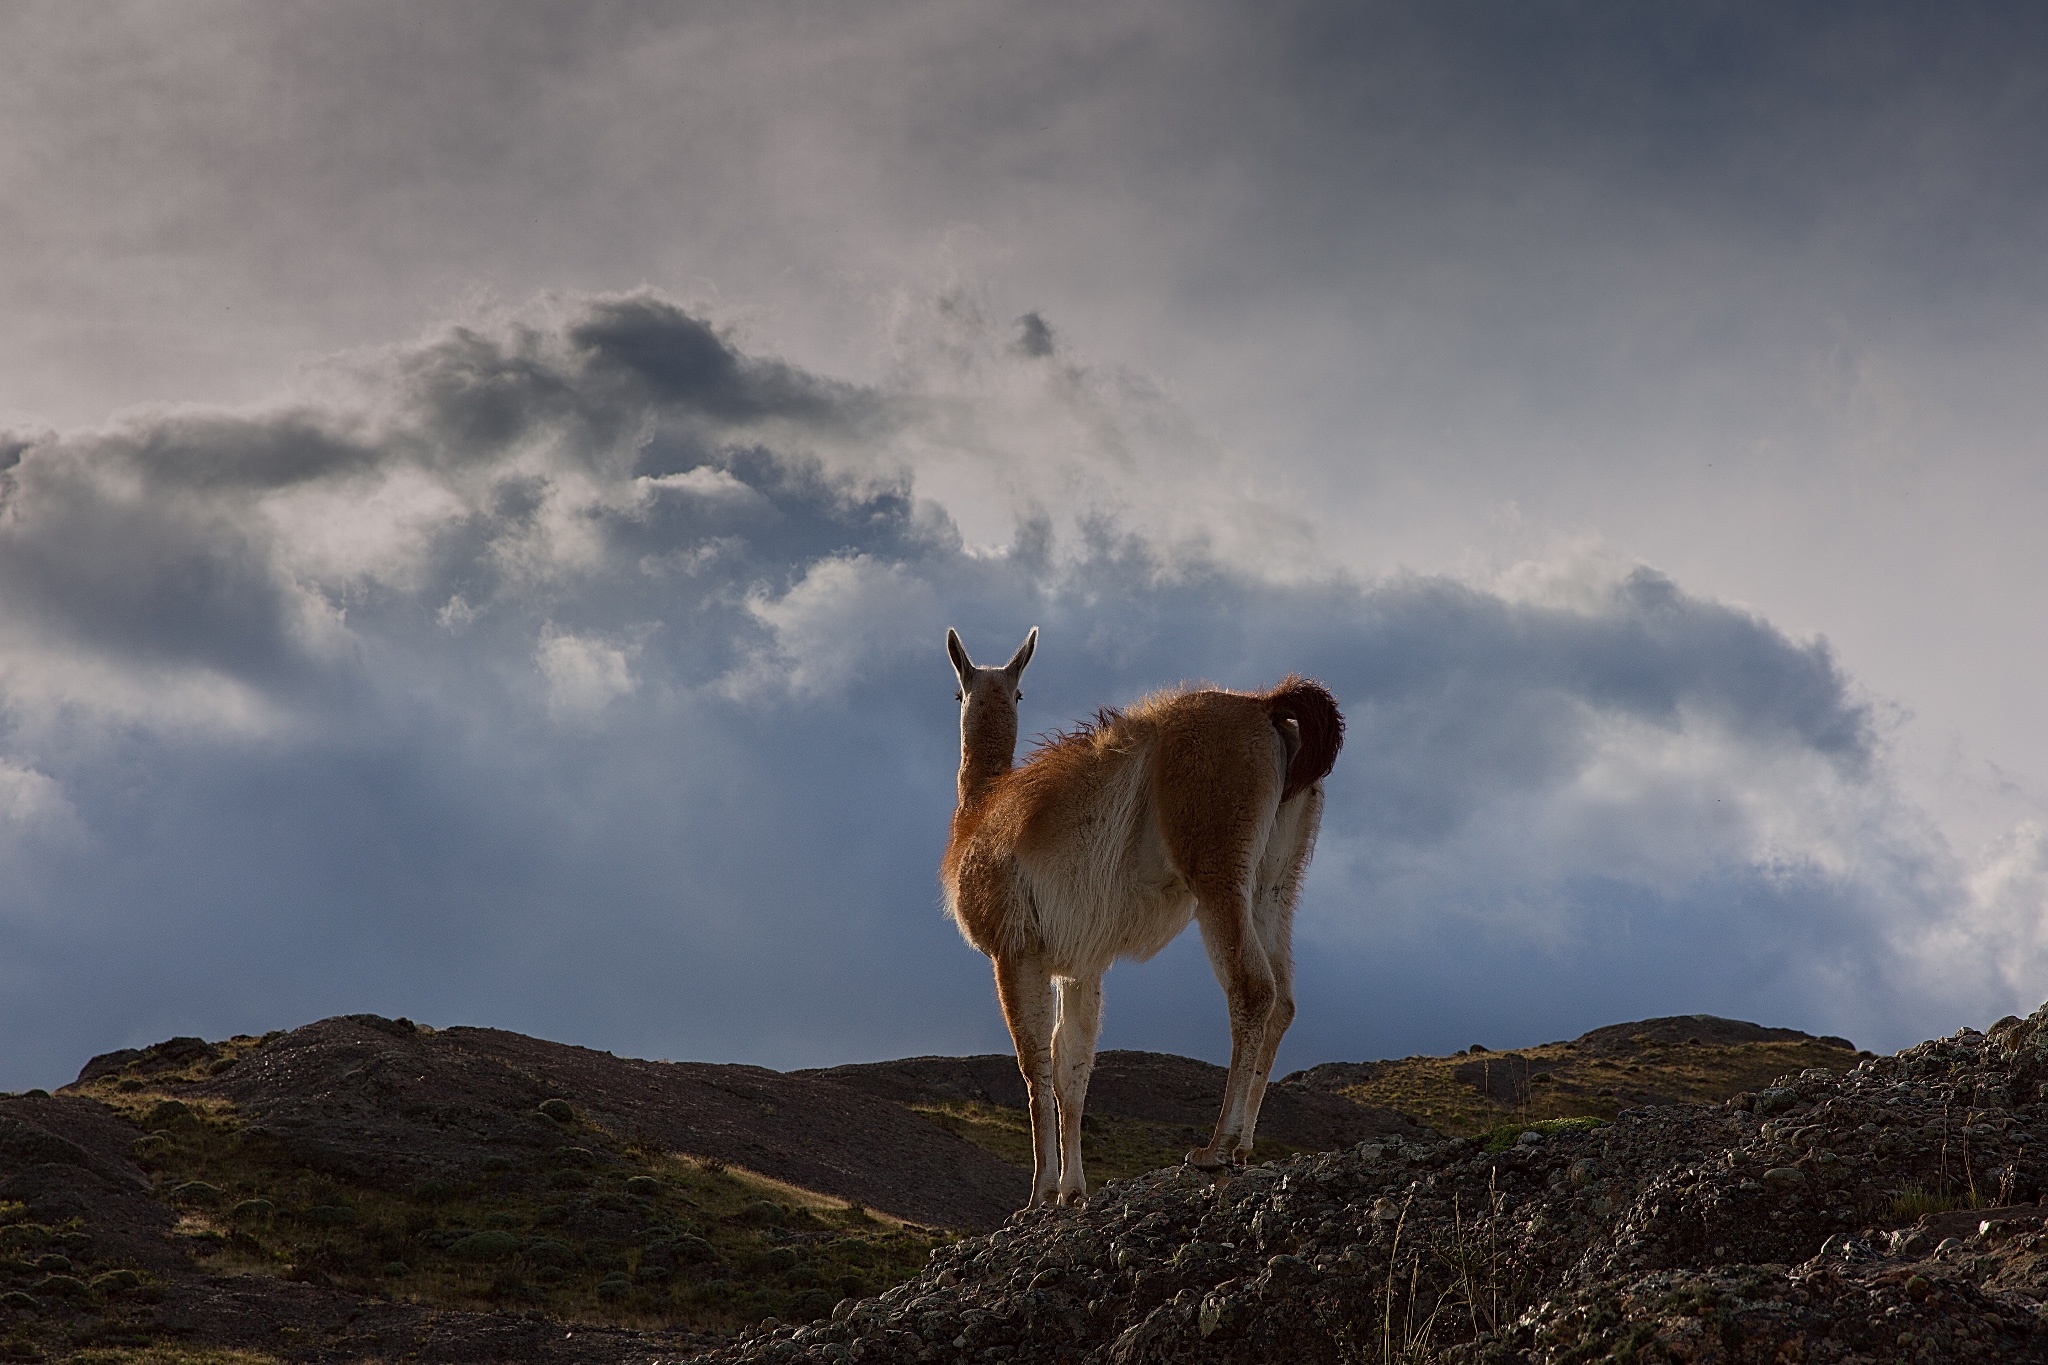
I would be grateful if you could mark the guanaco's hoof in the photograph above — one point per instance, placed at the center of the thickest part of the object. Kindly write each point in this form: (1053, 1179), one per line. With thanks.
(1202, 1159)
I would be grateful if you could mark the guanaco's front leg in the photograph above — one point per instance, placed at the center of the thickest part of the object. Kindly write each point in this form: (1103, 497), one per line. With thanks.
(1073, 1060)
(1025, 990)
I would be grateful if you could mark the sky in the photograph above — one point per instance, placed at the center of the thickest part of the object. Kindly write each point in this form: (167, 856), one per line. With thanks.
(483, 488)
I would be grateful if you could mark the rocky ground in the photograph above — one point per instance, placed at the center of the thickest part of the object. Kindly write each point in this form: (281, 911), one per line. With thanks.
(1823, 1218)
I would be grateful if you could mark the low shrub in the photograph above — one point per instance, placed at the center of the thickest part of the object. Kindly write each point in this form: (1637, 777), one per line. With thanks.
(547, 1251)
(167, 1114)
(438, 1190)
(328, 1216)
(486, 1246)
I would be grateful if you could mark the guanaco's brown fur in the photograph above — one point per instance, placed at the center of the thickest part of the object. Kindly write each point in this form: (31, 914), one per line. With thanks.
(1193, 804)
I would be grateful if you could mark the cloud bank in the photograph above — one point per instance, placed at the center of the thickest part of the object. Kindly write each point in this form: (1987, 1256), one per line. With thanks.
(579, 672)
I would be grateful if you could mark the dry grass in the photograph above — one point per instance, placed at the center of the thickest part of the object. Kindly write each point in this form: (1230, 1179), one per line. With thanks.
(1916, 1199)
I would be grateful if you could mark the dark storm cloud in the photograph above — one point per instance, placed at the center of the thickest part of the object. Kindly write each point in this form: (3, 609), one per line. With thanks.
(680, 360)
(141, 545)
(583, 677)
(619, 362)
(1034, 335)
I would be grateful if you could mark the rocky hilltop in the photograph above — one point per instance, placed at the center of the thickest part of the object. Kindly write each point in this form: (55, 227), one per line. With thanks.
(1883, 1215)
(365, 1189)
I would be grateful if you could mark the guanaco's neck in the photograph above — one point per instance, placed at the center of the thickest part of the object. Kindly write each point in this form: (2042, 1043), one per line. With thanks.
(988, 745)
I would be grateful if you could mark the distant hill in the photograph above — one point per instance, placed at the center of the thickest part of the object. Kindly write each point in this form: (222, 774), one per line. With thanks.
(1682, 1059)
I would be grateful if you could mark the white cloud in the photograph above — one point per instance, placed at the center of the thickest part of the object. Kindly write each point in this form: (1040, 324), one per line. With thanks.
(379, 530)
(33, 807)
(848, 616)
(2008, 908)
(584, 675)
(455, 614)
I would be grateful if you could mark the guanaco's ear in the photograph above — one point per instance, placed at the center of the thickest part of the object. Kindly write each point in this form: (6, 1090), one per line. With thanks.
(957, 652)
(1015, 668)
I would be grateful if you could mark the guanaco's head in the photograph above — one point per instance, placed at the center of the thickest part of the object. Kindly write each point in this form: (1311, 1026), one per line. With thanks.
(988, 701)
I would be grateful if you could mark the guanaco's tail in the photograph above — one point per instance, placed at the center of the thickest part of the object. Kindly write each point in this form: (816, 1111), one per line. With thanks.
(1314, 737)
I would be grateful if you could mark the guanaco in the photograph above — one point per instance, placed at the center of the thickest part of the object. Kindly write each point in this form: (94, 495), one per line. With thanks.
(1195, 803)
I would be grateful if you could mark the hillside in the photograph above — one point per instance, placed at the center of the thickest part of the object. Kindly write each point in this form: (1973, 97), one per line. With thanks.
(336, 1186)
(364, 1188)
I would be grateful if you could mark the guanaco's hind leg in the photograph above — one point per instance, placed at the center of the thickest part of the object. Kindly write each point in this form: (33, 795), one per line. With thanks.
(1287, 853)
(1249, 987)
(1280, 958)
(1073, 1060)
(1025, 990)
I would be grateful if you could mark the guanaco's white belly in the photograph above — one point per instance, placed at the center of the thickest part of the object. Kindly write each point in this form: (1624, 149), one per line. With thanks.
(1109, 891)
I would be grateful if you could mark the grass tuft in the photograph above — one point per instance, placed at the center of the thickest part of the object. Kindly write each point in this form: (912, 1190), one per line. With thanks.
(1505, 1135)
(1915, 1199)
